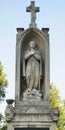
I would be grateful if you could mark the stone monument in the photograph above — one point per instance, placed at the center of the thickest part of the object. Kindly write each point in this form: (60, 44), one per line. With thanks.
(32, 89)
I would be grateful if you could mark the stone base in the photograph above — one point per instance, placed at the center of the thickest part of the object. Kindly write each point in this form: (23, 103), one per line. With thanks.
(34, 106)
(33, 114)
(33, 125)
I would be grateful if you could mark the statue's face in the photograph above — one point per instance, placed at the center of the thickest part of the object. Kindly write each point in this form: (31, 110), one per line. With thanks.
(32, 44)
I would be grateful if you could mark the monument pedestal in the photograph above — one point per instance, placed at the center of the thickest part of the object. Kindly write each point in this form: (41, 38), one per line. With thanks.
(33, 115)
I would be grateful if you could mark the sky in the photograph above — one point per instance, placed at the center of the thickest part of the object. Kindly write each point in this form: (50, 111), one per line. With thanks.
(13, 15)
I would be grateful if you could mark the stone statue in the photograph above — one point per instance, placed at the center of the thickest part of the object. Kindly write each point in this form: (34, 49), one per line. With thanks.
(32, 70)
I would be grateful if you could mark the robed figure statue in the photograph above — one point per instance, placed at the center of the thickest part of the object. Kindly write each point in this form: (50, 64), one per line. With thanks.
(32, 67)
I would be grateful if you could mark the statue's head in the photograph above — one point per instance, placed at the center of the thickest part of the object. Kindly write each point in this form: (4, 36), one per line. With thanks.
(32, 44)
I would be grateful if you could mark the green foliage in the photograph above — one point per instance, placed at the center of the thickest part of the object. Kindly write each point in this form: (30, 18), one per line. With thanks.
(3, 85)
(4, 127)
(56, 101)
(55, 98)
(3, 82)
(1, 116)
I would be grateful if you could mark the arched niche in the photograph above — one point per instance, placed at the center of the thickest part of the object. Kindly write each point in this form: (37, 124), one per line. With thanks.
(23, 45)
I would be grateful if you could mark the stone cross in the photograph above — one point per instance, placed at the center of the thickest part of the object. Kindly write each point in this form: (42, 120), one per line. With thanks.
(33, 11)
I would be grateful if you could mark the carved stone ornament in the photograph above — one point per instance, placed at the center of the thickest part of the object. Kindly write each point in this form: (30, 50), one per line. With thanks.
(32, 95)
(9, 113)
(55, 114)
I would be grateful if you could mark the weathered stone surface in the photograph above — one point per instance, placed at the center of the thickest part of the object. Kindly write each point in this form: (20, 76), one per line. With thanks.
(32, 95)
(33, 11)
(9, 113)
(55, 114)
(31, 111)
(33, 106)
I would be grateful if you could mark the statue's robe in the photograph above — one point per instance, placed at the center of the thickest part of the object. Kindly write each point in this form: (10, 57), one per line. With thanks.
(32, 69)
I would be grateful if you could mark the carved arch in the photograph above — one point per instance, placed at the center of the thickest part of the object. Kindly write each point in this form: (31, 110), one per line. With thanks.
(29, 35)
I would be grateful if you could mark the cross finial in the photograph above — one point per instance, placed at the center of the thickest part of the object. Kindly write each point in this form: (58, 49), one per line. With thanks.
(33, 11)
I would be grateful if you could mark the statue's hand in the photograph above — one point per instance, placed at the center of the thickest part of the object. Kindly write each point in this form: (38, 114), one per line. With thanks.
(32, 52)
